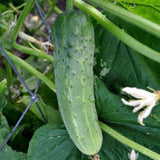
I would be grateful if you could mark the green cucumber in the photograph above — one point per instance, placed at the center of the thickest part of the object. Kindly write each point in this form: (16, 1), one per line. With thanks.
(73, 40)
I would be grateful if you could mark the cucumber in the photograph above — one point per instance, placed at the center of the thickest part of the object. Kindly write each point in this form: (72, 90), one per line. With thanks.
(73, 39)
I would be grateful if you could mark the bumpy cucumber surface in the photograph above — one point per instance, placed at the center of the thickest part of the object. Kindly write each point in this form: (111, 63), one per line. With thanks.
(73, 40)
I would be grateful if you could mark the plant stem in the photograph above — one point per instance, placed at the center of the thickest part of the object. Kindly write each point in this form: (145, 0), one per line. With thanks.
(116, 31)
(9, 75)
(69, 5)
(13, 8)
(130, 17)
(33, 52)
(49, 2)
(53, 7)
(54, 2)
(32, 70)
(129, 142)
(22, 18)
(56, 9)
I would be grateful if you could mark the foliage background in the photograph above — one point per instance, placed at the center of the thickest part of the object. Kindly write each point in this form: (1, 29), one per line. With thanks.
(116, 66)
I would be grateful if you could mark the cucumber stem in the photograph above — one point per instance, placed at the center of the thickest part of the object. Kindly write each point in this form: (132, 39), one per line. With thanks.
(69, 5)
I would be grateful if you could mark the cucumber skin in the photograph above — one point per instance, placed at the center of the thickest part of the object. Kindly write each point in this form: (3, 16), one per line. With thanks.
(73, 40)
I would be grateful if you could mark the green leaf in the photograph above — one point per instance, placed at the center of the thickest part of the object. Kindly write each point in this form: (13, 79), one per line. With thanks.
(3, 7)
(128, 16)
(50, 98)
(19, 130)
(130, 135)
(7, 153)
(31, 82)
(52, 115)
(146, 2)
(110, 108)
(32, 70)
(3, 86)
(2, 74)
(123, 65)
(34, 62)
(3, 102)
(51, 142)
(125, 68)
(23, 133)
(148, 10)
(5, 22)
(4, 128)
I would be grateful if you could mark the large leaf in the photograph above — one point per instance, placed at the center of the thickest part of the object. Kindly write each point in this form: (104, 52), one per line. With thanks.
(52, 141)
(123, 66)
(2, 74)
(146, 136)
(146, 8)
(119, 66)
(4, 128)
(146, 2)
(2, 8)
(52, 115)
(120, 117)
(7, 153)
(3, 102)
(3, 86)
(26, 128)
(110, 108)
